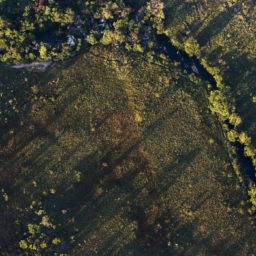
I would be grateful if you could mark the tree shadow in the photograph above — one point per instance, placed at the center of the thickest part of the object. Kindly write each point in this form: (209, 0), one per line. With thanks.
(241, 78)
(217, 24)
(176, 5)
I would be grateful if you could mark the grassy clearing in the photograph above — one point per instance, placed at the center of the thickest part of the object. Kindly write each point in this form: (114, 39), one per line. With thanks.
(124, 158)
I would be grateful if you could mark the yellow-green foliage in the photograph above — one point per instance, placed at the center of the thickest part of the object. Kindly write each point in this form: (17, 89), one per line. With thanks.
(244, 138)
(252, 194)
(232, 135)
(17, 40)
(91, 39)
(192, 47)
(103, 106)
(215, 72)
(4, 195)
(43, 52)
(219, 105)
(111, 37)
(138, 48)
(249, 151)
(237, 171)
(235, 120)
(23, 244)
(56, 241)
(37, 240)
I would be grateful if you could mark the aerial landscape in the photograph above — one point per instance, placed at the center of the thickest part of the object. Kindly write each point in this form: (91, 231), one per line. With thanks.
(128, 128)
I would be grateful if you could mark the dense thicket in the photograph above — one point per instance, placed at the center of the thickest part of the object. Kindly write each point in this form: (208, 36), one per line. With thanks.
(54, 29)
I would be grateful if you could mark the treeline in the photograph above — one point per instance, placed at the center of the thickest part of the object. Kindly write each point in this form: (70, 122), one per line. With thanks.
(33, 30)
(55, 29)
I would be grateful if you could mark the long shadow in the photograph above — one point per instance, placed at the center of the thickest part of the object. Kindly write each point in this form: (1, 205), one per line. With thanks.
(241, 78)
(164, 180)
(53, 118)
(239, 65)
(40, 132)
(176, 169)
(44, 79)
(14, 87)
(171, 8)
(216, 25)
(125, 148)
(79, 200)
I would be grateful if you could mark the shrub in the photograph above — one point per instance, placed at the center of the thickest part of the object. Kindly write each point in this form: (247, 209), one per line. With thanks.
(249, 151)
(232, 135)
(235, 119)
(110, 37)
(218, 104)
(192, 47)
(252, 194)
(244, 138)
(23, 244)
(91, 39)
(138, 48)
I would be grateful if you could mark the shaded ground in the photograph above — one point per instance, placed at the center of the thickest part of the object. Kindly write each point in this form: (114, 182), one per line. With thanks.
(126, 159)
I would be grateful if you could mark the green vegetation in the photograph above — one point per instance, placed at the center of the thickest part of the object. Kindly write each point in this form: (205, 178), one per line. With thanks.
(192, 47)
(213, 35)
(23, 23)
(252, 193)
(107, 136)
(53, 30)
(37, 240)
(118, 151)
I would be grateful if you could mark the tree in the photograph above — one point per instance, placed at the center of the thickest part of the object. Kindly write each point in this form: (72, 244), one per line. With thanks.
(232, 135)
(91, 39)
(244, 138)
(249, 151)
(192, 48)
(252, 194)
(43, 52)
(112, 37)
(219, 105)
